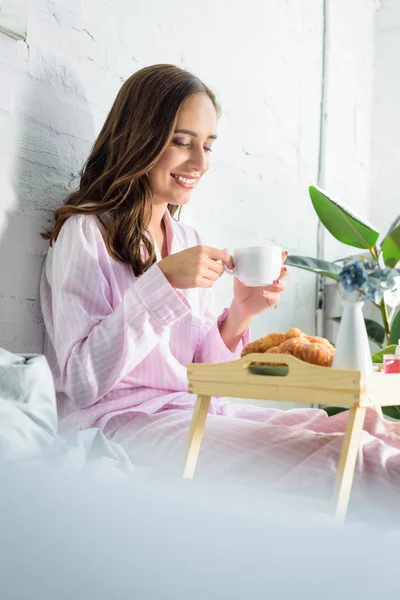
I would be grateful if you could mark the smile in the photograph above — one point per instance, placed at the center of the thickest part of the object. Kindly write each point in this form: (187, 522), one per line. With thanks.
(185, 182)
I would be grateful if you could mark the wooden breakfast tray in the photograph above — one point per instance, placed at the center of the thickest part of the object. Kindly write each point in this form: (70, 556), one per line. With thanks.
(303, 383)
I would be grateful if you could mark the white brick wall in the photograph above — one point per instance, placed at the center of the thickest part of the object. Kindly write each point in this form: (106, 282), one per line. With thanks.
(349, 92)
(385, 136)
(263, 60)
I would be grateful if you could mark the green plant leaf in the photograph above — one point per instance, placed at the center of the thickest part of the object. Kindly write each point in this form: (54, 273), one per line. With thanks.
(391, 248)
(395, 329)
(393, 225)
(378, 356)
(391, 411)
(375, 331)
(349, 257)
(358, 256)
(344, 225)
(316, 265)
(334, 410)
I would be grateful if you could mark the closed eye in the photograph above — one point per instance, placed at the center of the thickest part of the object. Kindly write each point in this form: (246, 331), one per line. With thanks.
(182, 145)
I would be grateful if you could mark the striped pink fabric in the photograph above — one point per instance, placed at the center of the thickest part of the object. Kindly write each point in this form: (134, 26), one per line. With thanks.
(118, 346)
(291, 451)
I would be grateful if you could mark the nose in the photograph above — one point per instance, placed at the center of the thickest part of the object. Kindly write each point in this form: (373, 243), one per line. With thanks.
(199, 159)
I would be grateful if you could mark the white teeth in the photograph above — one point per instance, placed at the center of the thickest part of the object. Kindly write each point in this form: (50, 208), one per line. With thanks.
(185, 180)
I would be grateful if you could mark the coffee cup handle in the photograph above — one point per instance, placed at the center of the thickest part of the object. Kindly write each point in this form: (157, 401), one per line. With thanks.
(233, 272)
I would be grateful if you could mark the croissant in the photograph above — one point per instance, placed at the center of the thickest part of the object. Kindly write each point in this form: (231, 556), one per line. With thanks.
(291, 346)
(318, 354)
(318, 340)
(265, 343)
(314, 353)
(311, 349)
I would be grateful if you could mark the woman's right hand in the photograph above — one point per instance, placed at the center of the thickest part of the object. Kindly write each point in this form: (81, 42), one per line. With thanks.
(195, 267)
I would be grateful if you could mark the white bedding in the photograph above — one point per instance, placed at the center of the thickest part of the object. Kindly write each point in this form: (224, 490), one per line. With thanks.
(79, 522)
(28, 423)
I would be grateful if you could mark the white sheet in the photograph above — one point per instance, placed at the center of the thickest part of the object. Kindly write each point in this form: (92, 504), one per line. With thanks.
(79, 522)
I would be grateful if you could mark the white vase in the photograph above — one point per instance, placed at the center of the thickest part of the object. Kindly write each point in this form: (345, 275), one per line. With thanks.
(352, 345)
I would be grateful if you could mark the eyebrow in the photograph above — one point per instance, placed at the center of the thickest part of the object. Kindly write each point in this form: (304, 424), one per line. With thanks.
(193, 133)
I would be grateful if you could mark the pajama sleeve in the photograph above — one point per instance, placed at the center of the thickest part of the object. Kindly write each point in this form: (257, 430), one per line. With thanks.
(98, 341)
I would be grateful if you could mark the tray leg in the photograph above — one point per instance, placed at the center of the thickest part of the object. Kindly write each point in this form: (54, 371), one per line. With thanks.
(347, 460)
(196, 434)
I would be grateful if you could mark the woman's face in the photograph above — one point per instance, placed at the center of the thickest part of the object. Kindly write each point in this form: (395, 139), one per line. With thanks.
(186, 159)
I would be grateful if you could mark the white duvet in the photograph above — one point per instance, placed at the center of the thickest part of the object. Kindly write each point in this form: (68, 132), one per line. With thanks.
(79, 522)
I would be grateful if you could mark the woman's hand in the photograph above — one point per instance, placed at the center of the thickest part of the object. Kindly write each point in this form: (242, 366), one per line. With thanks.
(195, 267)
(255, 300)
(247, 302)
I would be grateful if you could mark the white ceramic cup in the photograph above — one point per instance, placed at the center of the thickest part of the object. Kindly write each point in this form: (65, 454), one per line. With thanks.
(257, 265)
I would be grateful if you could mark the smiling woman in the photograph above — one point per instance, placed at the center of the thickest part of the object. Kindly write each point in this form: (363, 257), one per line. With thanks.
(190, 161)
(158, 131)
(126, 296)
(125, 286)
(183, 162)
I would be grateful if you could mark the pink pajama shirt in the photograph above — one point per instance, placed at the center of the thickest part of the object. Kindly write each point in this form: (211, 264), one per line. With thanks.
(118, 347)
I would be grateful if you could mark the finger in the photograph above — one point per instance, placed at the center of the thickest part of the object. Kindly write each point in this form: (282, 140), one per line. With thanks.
(222, 255)
(215, 266)
(284, 255)
(231, 263)
(284, 272)
(276, 288)
(209, 274)
(206, 283)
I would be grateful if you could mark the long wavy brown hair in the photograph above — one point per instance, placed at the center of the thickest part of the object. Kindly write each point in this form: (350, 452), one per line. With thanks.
(114, 179)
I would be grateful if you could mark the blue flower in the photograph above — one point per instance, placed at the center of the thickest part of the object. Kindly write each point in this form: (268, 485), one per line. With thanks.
(386, 277)
(368, 278)
(353, 276)
(373, 292)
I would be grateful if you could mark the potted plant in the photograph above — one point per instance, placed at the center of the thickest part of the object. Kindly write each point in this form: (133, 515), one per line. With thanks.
(371, 274)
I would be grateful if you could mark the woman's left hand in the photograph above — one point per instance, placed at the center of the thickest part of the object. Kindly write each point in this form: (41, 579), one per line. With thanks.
(255, 300)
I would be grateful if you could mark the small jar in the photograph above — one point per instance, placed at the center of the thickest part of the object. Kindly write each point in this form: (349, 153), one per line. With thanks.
(391, 363)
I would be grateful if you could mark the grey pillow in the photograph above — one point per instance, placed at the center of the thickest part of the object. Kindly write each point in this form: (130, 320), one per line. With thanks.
(28, 410)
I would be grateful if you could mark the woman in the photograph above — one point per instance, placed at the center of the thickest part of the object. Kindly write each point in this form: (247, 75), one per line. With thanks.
(126, 298)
